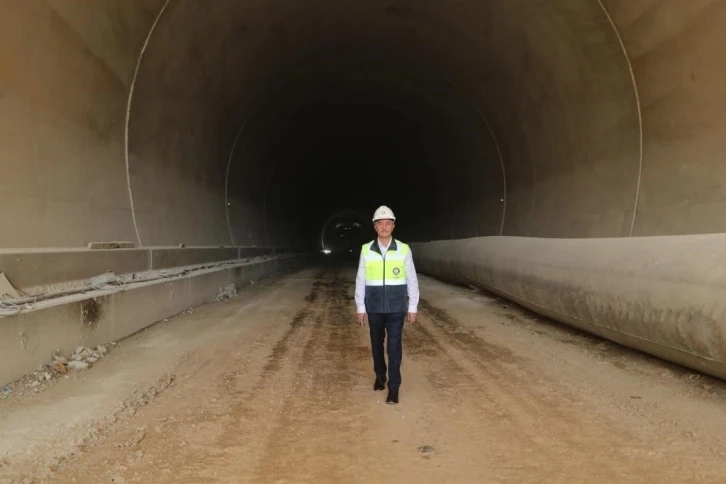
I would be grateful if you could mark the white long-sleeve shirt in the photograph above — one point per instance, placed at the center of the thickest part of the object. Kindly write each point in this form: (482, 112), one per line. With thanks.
(411, 281)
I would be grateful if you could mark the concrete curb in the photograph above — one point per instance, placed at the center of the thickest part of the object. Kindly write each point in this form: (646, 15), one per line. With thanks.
(35, 268)
(28, 339)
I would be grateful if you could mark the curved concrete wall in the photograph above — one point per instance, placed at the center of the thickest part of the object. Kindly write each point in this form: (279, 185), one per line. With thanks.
(549, 119)
(661, 295)
(65, 72)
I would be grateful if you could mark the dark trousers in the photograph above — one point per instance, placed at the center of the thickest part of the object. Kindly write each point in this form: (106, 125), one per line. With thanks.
(391, 325)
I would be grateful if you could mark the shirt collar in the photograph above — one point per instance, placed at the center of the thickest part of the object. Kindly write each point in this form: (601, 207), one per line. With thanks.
(377, 248)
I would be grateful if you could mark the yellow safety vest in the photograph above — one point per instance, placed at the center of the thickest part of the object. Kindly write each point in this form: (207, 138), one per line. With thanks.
(386, 289)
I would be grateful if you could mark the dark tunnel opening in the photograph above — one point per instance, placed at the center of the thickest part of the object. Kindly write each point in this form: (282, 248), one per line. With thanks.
(356, 135)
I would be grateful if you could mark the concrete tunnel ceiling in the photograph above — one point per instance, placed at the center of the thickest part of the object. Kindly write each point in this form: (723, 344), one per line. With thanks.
(252, 123)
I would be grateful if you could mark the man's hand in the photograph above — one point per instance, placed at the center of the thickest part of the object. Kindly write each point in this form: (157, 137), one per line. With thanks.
(362, 319)
(411, 318)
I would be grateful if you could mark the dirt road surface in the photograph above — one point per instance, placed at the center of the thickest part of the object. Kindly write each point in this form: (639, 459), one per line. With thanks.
(275, 386)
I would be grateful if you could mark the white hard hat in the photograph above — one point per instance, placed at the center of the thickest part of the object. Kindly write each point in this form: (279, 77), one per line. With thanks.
(383, 212)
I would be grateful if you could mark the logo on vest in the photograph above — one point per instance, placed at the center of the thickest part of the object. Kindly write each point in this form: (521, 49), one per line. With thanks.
(396, 271)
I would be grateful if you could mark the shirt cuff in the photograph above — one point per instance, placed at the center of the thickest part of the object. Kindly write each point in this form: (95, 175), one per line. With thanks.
(361, 309)
(412, 309)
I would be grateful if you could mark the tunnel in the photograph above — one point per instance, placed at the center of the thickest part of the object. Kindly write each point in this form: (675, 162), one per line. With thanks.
(238, 123)
(566, 155)
(235, 124)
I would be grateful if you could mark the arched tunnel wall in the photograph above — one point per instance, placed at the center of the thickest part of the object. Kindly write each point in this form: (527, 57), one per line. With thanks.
(605, 116)
(236, 124)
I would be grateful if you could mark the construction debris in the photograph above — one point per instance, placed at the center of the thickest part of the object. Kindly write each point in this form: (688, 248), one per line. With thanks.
(81, 359)
(7, 290)
(227, 292)
(104, 279)
(111, 245)
(78, 365)
(11, 304)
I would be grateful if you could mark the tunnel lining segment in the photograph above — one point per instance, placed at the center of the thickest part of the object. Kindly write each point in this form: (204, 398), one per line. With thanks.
(494, 140)
(504, 172)
(639, 111)
(128, 116)
(264, 201)
(226, 177)
(252, 111)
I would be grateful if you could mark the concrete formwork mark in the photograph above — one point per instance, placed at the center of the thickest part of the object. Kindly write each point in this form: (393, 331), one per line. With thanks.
(501, 162)
(639, 110)
(128, 116)
(264, 201)
(255, 105)
(226, 177)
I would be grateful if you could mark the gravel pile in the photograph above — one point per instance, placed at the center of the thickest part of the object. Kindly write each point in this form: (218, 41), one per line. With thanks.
(82, 359)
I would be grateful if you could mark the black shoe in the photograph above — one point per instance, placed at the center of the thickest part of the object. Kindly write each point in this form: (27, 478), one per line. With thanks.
(392, 397)
(379, 385)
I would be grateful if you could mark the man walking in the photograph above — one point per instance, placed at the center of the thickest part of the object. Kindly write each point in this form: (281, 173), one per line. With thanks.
(386, 290)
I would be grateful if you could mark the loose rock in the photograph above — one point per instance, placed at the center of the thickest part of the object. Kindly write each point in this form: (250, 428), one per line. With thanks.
(227, 292)
(59, 367)
(59, 359)
(78, 365)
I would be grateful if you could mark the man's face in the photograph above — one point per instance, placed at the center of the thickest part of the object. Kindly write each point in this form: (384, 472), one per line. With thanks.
(384, 228)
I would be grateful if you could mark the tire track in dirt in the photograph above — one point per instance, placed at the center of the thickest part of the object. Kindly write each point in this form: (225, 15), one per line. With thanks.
(473, 401)
(502, 370)
(298, 450)
(262, 400)
(291, 401)
(257, 398)
(212, 423)
(546, 429)
(282, 348)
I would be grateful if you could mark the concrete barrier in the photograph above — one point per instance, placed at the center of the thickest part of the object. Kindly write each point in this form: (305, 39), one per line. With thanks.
(32, 270)
(28, 339)
(665, 296)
